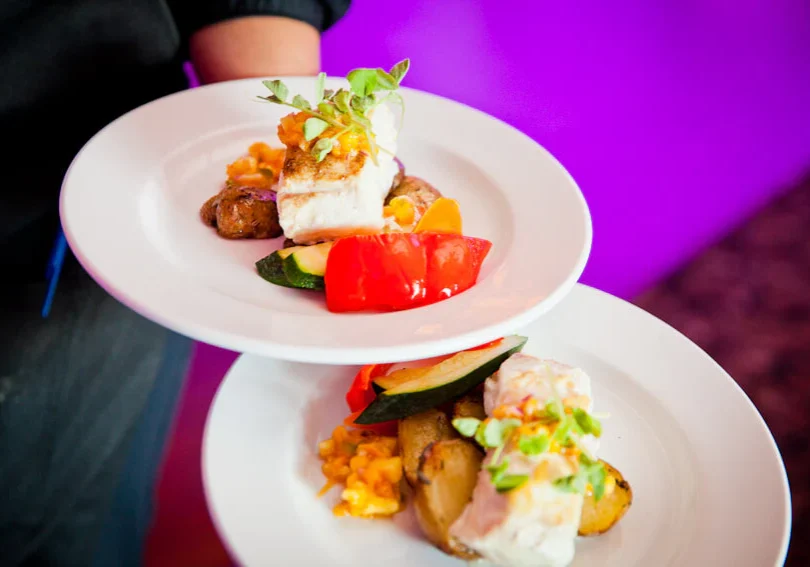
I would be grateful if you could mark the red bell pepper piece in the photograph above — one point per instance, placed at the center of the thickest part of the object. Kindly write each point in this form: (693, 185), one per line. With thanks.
(361, 394)
(396, 271)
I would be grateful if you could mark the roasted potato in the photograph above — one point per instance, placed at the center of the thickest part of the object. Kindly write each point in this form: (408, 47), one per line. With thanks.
(599, 517)
(448, 471)
(470, 405)
(420, 191)
(416, 433)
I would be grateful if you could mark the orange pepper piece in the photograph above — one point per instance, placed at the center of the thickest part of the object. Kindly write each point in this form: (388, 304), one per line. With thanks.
(441, 216)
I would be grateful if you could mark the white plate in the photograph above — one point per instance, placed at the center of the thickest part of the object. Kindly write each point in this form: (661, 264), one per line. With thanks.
(130, 205)
(708, 481)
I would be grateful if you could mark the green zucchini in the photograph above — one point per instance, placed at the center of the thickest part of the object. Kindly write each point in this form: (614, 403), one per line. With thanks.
(444, 382)
(305, 266)
(271, 267)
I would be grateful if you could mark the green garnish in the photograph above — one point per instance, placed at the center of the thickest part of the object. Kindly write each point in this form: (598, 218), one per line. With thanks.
(467, 426)
(345, 110)
(502, 481)
(590, 472)
(314, 127)
(510, 481)
(587, 422)
(497, 470)
(553, 411)
(496, 431)
(534, 444)
(496, 434)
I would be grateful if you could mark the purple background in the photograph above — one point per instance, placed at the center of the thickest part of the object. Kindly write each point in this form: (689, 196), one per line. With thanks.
(677, 119)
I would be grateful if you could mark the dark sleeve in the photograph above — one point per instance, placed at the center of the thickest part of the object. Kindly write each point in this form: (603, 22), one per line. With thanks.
(192, 15)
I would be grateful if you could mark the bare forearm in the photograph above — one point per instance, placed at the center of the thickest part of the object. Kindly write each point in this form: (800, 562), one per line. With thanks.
(255, 46)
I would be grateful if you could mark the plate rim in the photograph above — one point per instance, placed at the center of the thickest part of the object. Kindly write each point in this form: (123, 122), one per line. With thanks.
(578, 290)
(320, 353)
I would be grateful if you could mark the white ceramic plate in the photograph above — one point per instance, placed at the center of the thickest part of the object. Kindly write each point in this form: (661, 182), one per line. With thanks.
(709, 484)
(131, 198)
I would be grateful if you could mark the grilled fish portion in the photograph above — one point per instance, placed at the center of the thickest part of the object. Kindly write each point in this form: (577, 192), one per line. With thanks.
(535, 524)
(341, 195)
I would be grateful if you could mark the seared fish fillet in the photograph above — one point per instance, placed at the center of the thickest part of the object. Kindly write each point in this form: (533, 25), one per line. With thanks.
(343, 194)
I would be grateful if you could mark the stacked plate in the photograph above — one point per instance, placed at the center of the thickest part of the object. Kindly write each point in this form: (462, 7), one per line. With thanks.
(709, 486)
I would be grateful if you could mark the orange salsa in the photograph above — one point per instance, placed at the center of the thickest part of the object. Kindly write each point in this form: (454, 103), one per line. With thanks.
(369, 467)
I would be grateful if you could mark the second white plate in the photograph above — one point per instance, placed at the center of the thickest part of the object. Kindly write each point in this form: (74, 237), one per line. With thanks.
(708, 482)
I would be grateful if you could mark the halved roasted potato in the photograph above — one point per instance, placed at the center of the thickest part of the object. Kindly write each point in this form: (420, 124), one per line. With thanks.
(448, 471)
(470, 405)
(599, 517)
(416, 433)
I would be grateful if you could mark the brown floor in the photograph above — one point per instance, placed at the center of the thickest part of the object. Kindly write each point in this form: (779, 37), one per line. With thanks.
(746, 301)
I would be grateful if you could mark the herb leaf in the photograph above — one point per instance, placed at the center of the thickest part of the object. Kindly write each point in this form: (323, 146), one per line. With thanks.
(313, 128)
(342, 100)
(497, 471)
(553, 411)
(346, 110)
(510, 482)
(385, 81)
(534, 445)
(326, 109)
(363, 81)
(563, 431)
(497, 430)
(361, 103)
(597, 475)
(277, 88)
(399, 70)
(587, 422)
(301, 103)
(321, 148)
(319, 84)
(493, 434)
(572, 483)
(590, 472)
(467, 426)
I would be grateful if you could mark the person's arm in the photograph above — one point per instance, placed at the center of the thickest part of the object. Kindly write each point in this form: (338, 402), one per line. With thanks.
(230, 39)
(255, 46)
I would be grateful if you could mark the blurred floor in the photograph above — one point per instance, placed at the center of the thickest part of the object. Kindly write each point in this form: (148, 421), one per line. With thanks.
(745, 300)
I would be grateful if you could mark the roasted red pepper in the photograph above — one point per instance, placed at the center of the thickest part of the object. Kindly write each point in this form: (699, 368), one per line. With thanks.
(398, 271)
(361, 393)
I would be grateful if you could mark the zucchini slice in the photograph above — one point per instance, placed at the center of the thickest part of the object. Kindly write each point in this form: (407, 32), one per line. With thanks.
(271, 267)
(306, 265)
(298, 266)
(447, 380)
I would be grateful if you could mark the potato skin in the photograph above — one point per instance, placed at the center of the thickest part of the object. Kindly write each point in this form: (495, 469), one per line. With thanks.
(470, 405)
(599, 517)
(420, 191)
(416, 433)
(447, 474)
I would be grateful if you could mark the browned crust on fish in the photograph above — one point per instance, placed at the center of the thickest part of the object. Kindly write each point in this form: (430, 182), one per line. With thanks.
(299, 164)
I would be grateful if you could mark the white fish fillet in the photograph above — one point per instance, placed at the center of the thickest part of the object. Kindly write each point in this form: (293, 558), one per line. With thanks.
(339, 196)
(534, 525)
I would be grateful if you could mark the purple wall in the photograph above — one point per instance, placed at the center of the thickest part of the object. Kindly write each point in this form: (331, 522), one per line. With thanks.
(677, 119)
